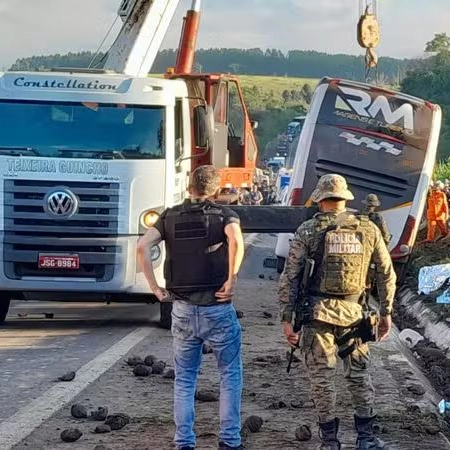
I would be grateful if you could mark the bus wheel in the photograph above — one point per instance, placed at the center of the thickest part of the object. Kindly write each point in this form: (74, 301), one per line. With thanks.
(165, 319)
(5, 301)
(280, 264)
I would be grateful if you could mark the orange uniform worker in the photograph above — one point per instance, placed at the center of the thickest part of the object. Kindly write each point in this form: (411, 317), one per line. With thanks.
(437, 211)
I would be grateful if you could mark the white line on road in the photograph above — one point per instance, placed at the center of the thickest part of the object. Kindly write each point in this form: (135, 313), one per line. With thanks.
(25, 421)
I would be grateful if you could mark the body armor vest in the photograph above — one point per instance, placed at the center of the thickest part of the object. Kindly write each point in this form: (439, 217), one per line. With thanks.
(196, 247)
(342, 257)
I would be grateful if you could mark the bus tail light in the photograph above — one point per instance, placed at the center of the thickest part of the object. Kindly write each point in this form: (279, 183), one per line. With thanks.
(403, 248)
(296, 197)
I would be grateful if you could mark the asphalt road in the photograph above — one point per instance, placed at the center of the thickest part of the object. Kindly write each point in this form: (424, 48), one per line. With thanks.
(34, 351)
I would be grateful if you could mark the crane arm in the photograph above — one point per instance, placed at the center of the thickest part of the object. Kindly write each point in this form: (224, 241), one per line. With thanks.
(145, 24)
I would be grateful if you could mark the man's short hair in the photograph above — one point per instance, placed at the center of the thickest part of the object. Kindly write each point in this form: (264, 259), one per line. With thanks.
(205, 180)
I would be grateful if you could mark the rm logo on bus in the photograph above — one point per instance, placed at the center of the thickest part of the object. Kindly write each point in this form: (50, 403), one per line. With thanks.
(371, 143)
(363, 105)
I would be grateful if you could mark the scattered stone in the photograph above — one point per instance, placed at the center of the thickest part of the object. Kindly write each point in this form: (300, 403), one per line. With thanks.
(158, 367)
(78, 411)
(271, 277)
(101, 447)
(267, 315)
(270, 324)
(101, 429)
(253, 423)
(142, 371)
(295, 358)
(239, 314)
(303, 433)
(101, 413)
(71, 435)
(432, 429)
(49, 315)
(150, 360)
(206, 396)
(135, 361)
(297, 405)
(416, 389)
(261, 275)
(69, 376)
(277, 405)
(117, 421)
(206, 349)
(169, 374)
(266, 385)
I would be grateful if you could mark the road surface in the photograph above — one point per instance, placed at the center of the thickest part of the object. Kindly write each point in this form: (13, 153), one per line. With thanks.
(95, 340)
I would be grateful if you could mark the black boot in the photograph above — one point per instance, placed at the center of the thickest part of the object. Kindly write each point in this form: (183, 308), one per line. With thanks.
(328, 435)
(366, 439)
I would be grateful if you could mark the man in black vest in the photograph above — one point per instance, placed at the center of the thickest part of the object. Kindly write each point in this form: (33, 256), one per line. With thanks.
(204, 251)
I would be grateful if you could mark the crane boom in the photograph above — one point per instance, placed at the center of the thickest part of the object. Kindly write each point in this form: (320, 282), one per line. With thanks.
(145, 24)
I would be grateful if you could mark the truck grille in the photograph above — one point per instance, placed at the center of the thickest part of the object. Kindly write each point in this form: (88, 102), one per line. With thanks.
(30, 230)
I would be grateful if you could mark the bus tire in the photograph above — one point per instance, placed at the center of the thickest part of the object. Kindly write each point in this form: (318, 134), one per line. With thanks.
(280, 264)
(165, 318)
(5, 301)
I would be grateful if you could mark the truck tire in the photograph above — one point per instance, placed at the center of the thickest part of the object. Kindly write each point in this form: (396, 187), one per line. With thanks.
(280, 264)
(165, 319)
(4, 307)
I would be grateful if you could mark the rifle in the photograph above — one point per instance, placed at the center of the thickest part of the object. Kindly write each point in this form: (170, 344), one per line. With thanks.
(302, 307)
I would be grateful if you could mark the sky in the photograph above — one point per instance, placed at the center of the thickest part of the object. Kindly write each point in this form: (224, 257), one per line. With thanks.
(41, 27)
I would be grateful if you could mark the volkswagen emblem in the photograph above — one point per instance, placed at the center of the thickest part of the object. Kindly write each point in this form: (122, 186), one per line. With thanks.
(61, 203)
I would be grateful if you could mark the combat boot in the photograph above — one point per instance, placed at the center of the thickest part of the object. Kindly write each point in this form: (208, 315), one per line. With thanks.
(366, 439)
(328, 435)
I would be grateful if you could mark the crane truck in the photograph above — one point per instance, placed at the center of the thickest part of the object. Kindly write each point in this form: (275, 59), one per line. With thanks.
(89, 158)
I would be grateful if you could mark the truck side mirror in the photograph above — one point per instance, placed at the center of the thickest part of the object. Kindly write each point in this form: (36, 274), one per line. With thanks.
(254, 124)
(204, 127)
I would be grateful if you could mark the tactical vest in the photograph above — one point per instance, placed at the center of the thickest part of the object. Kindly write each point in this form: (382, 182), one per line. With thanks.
(342, 257)
(196, 247)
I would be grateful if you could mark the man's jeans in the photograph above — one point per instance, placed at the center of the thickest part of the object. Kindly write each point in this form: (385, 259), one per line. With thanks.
(220, 328)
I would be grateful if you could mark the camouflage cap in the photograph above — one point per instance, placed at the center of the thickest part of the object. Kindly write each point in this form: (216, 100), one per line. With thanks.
(371, 200)
(331, 186)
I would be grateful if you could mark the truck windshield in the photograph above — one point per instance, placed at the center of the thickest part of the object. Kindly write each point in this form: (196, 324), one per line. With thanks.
(82, 130)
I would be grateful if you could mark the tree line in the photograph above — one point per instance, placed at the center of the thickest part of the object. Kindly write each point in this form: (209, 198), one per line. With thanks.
(295, 63)
(430, 80)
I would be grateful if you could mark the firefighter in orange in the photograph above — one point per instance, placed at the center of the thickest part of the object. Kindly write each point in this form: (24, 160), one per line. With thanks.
(437, 211)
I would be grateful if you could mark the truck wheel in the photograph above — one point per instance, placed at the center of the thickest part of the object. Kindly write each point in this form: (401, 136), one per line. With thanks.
(4, 307)
(280, 264)
(165, 320)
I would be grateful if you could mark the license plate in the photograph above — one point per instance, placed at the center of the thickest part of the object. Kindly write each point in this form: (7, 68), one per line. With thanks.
(70, 262)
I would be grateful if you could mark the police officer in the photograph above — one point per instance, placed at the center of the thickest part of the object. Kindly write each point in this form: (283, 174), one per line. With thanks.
(205, 248)
(342, 246)
(370, 203)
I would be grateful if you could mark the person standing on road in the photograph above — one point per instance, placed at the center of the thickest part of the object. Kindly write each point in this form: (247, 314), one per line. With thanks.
(205, 249)
(370, 204)
(342, 246)
(255, 195)
(437, 211)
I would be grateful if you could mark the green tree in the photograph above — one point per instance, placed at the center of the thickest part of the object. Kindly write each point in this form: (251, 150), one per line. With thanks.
(439, 44)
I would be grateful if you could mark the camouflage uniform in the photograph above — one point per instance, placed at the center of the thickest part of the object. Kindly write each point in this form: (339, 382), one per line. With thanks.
(371, 202)
(332, 317)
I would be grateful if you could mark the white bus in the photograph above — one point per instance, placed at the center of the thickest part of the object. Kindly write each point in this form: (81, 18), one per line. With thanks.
(381, 141)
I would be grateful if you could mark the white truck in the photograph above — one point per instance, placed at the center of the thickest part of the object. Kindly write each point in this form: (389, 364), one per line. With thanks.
(90, 158)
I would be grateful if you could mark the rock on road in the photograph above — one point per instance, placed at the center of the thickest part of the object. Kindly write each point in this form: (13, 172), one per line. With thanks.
(407, 413)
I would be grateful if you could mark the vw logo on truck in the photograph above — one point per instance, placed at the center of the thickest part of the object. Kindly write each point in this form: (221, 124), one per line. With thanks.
(61, 203)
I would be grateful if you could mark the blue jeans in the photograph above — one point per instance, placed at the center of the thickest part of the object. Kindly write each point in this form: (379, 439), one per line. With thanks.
(218, 326)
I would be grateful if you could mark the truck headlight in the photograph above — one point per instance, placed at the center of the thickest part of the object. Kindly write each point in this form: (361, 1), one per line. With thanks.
(149, 218)
(155, 252)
